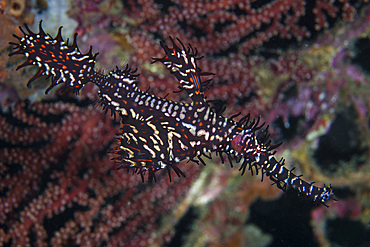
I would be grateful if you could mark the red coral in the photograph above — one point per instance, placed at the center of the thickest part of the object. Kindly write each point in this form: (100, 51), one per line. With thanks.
(58, 185)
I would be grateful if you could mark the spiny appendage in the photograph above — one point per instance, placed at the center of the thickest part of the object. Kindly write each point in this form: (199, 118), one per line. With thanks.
(136, 167)
(253, 149)
(54, 57)
(139, 151)
(182, 62)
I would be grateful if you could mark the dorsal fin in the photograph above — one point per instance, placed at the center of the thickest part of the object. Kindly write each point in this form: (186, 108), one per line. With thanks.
(66, 64)
(182, 62)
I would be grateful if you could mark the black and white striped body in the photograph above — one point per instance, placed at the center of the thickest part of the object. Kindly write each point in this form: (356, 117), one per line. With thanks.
(157, 133)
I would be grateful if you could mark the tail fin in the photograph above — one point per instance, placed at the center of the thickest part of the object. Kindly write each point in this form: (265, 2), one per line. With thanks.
(54, 57)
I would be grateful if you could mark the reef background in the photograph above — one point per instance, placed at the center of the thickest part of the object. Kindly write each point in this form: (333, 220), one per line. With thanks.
(301, 65)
